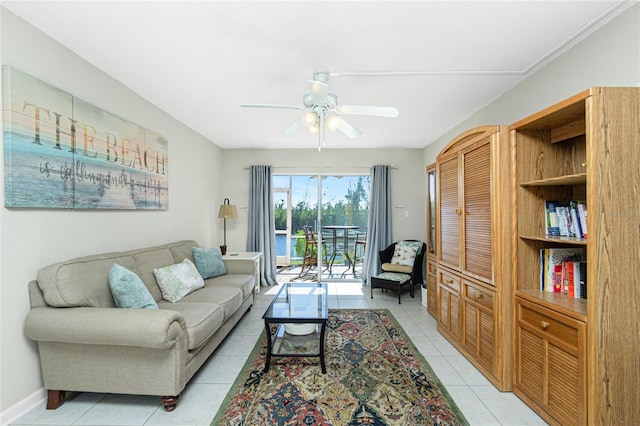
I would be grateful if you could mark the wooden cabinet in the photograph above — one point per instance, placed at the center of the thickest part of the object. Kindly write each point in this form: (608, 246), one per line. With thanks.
(432, 288)
(577, 360)
(479, 338)
(449, 304)
(551, 364)
(473, 240)
(448, 236)
(432, 279)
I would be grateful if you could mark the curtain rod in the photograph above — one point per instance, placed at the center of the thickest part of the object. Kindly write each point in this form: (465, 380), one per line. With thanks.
(306, 169)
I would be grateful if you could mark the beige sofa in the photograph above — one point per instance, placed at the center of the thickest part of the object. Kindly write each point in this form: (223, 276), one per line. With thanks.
(86, 344)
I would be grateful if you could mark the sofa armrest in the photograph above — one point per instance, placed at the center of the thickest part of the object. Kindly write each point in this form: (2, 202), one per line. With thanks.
(241, 266)
(147, 328)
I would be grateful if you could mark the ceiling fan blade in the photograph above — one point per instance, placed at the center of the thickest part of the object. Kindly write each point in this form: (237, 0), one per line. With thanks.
(377, 111)
(319, 92)
(270, 106)
(347, 128)
(293, 127)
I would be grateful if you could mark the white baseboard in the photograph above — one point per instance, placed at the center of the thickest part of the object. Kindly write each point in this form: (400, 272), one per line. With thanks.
(22, 407)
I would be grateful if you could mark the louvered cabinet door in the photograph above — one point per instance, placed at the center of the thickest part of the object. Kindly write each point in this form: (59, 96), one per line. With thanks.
(449, 304)
(477, 251)
(479, 325)
(448, 315)
(432, 288)
(550, 362)
(449, 214)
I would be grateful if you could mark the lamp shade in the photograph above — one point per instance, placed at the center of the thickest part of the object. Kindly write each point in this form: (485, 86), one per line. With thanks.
(228, 211)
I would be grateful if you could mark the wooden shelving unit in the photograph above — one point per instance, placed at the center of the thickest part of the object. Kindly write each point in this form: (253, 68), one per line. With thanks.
(576, 360)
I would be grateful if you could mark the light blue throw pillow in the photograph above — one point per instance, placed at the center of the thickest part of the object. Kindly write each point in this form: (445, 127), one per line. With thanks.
(128, 290)
(209, 262)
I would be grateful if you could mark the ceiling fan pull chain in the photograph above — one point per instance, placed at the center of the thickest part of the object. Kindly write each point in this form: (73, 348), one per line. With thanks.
(322, 131)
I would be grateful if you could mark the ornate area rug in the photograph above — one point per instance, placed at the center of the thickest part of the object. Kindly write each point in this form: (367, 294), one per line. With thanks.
(375, 376)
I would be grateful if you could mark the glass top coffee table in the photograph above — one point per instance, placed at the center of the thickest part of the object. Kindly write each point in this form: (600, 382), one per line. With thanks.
(301, 310)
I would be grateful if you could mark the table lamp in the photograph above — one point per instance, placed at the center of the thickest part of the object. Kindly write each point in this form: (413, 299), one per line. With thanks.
(227, 211)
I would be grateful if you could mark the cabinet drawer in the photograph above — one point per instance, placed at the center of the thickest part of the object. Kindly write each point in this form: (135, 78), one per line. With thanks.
(552, 326)
(477, 295)
(432, 267)
(450, 280)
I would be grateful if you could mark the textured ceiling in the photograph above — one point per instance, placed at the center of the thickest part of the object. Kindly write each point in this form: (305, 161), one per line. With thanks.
(438, 62)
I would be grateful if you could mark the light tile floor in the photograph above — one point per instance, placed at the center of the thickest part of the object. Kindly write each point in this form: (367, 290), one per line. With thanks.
(479, 400)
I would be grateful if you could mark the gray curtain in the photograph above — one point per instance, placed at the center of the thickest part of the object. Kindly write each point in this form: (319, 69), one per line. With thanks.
(262, 226)
(379, 228)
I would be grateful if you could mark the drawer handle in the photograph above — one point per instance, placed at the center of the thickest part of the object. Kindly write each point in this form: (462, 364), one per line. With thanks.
(478, 295)
(544, 325)
(448, 281)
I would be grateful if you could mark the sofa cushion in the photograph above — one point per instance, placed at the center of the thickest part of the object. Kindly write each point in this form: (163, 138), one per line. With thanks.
(228, 297)
(148, 260)
(128, 290)
(201, 320)
(83, 281)
(209, 262)
(178, 280)
(394, 267)
(182, 250)
(244, 282)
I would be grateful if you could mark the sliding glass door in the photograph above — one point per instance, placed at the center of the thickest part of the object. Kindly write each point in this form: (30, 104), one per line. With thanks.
(282, 199)
(334, 208)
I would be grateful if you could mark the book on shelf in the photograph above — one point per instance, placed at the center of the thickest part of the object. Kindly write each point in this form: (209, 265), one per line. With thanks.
(553, 264)
(576, 229)
(583, 280)
(570, 279)
(566, 220)
(582, 215)
(576, 274)
(551, 216)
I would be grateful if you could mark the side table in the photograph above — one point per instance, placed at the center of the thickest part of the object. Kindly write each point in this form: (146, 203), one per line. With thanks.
(243, 257)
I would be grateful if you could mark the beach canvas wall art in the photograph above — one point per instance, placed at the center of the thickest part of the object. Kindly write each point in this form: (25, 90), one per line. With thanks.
(61, 152)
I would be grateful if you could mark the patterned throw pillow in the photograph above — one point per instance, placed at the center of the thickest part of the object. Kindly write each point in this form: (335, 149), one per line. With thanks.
(128, 290)
(404, 255)
(176, 281)
(209, 262)
(415, 244)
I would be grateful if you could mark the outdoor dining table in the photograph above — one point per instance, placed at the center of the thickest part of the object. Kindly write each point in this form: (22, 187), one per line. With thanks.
(345, 249)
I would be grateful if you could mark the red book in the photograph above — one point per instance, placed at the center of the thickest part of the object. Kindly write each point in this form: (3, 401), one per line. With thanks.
(570, 279)
(557, 278)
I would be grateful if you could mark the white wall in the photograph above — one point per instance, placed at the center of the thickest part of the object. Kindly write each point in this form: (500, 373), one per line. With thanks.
(201, 175)
(34, 238)
(408, 182)
(608, 57)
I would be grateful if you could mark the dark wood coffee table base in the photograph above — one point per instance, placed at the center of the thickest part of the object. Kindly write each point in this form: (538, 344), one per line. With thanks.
(271, 338)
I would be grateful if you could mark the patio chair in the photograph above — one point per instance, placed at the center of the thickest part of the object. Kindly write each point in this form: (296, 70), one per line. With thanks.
(309, 257)
(359, 247)
(401, 265)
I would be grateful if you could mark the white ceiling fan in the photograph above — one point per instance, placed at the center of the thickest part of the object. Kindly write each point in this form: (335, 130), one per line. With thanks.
(321, 108)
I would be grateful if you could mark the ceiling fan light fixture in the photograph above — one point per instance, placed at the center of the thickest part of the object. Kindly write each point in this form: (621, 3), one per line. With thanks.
(309, 118)
(333, 122)
(314, 128)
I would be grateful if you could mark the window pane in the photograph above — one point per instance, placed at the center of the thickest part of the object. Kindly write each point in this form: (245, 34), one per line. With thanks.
(280, 181)
(345, 200)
